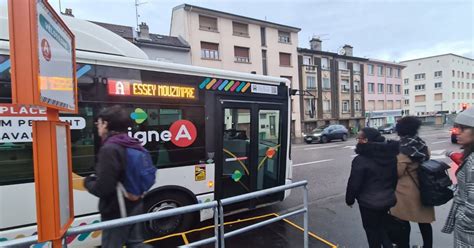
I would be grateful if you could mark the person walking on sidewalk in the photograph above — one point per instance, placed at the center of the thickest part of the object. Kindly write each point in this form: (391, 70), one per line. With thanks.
(372, 182)
(461, 216)
(112, 126)
(413, 152)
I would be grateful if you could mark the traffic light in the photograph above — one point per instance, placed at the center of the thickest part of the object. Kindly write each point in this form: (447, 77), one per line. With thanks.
(463, 106)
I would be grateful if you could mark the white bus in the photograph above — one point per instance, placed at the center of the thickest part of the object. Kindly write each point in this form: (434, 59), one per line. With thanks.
(212, 133)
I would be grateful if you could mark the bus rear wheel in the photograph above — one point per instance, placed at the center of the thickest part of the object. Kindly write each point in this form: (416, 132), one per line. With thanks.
(163, 201)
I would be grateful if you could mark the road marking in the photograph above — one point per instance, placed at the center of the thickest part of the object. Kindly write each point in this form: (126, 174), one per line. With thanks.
(350, 147)
(438, 142)
(353, 156)
(314, 162)
(438, 157)
(320, 147)
(438, 152)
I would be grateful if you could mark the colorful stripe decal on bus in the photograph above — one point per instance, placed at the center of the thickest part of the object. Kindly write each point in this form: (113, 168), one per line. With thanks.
(5, 65)
(204, 83)
(224, 85)
(227, 88)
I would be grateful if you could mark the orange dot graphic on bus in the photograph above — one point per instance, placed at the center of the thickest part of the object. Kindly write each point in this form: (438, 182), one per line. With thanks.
(270, 152)
(183, 132)
(46, 49)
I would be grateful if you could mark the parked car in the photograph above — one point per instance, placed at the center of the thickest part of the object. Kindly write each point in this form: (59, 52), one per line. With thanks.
(454, 134)
(326, 134)
(387, 128)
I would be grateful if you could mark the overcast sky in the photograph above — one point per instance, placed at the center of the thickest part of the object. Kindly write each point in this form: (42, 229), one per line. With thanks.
(390, 30)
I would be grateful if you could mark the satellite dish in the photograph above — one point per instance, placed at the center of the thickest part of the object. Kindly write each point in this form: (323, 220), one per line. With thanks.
(342, 51)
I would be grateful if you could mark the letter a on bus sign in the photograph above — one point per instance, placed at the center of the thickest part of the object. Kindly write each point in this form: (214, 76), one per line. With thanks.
(42, 56)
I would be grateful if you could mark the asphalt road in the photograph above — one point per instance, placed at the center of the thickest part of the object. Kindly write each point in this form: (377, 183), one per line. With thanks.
(326, 167)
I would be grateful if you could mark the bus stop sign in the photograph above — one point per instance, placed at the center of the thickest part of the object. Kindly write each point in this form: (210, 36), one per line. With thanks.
(42, 55)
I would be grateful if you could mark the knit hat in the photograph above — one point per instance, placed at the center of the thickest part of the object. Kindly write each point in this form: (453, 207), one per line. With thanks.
(466, 118)
(373, 135)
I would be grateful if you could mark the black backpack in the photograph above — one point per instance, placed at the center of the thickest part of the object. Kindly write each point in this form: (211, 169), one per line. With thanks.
(435, 184)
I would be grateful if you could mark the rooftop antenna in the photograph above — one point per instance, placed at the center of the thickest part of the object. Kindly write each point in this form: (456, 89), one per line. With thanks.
(319, 36)
(137, 4)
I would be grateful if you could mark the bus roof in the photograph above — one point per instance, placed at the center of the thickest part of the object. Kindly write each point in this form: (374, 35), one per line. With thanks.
(97, 45)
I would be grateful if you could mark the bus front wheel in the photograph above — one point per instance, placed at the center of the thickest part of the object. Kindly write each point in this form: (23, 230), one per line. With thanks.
(163, 201)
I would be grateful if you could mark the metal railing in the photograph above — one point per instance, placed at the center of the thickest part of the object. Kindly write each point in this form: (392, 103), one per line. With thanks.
(217, 206)
(249, 196)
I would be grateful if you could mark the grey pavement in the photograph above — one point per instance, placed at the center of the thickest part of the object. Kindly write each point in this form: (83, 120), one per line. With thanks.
(327, 168)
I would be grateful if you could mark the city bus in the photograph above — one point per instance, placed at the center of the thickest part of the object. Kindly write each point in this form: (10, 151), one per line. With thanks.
(211, 133)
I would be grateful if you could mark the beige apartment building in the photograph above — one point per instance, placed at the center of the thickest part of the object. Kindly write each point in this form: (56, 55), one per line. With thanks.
(239, 43)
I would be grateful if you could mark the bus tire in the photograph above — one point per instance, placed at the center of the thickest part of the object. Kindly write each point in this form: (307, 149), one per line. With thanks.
(168, 200)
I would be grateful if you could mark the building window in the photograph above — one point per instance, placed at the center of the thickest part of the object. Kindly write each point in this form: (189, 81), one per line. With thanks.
(356, 67)
(406, 92)
(438, 96)
(454, 95)
(263, 36)
(370, 105)
(264, 62)
(284, 37)
(467, 75)
(209, 50)
(307, 60)
(397, 73)
(370, 69)
(419, 76)
(342, 65)
(420, 98)
(419, 87)
(438, 85)
(380, 70)
(438, 74)
(406, 101)
(208, 23)
(242, 54)
(380, 105)
(326, 84)
(398, 89)
(345, 106)
(285, 59)
(324, 63)
(326, 106)
(311, 82)
(390, 104)
(398, 104)
(389, 71)
(357, 86)
(380, 88)
(390, 88)
(240, 29)
(310, 107)
(459, 74)
(468, 85)
(462, 74)
(405, 81)
(345, 86)
(371, 87)
(454, 73)
(357, 105)
(454, 84)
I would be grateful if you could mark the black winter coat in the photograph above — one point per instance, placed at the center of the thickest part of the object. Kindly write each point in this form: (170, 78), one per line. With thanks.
(109, 170)
(373, 178)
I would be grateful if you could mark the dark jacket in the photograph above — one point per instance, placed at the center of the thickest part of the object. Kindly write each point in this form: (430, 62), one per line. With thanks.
(109, 171)
(373, 176)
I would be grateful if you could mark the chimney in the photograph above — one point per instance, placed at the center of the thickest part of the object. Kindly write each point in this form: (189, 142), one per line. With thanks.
(68, 12)
(143, 33)
(348, 50)
(315, 44)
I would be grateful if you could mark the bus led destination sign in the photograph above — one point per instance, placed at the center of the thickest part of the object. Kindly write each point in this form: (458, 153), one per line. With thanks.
(125, 88)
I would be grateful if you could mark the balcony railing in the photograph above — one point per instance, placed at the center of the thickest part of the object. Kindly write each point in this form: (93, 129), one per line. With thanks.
(310, 68)
(242, 59)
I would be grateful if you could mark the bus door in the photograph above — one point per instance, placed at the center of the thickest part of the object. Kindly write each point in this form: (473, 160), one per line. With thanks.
(250, 149)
